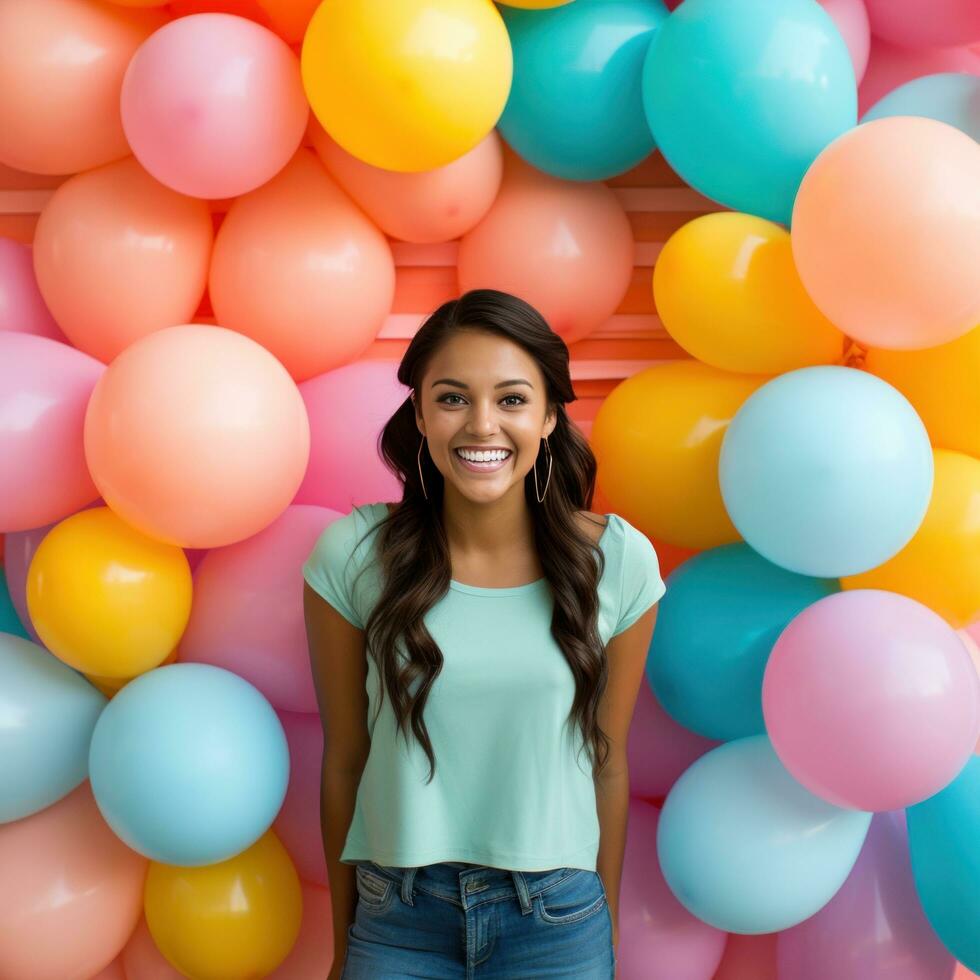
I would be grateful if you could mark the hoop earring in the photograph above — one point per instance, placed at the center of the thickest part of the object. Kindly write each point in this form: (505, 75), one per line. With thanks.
(420, 468)
(547, 450)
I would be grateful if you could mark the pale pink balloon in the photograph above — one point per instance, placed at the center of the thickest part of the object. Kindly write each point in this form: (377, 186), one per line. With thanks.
(565, 247)
(871, 700)
(22, 308)
(427, 207)
(298, 822)
(851, 19)
(118, 255)
(925, 23)
(71, 892)
(885, 234)
(213, 105)
(248, 612)
(658, 938)
(45, 387)
(142, 960)
(197, 436)
(65, 60)
(312, 954)
(967, 636)
(748, 958)
(345, 469)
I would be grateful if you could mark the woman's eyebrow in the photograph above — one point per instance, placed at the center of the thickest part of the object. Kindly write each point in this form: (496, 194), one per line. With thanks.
(502, 384)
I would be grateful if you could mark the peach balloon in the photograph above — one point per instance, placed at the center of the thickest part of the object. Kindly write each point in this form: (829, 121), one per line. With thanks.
(885, 232)
(71, 892)
(118, 255)
(114, 971)
(65, 60)
(425, 207)
(565, 247)
(299, 269)
(197, 436)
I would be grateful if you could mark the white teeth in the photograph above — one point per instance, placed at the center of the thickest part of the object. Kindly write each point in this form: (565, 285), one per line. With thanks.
(490, 456)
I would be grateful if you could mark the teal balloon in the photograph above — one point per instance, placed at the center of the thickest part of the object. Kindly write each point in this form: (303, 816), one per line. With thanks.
(944, 841)
(717, 624)
(9, 620)
(826, 471)
(950, 97)
(742, 95)
(189, 764)
(746, 848)
(47, 715)
(575, 108)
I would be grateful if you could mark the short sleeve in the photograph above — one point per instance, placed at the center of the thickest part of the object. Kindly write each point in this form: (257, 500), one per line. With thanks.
(330, 569)
(641, 584)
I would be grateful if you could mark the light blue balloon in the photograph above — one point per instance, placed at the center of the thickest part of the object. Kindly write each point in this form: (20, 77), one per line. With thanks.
(951, 97)
(47, 715)
(9, 620)
(575, 108)
(189, 764)
(742, 95)
(717, 624)
(746, 848)
(826, 471)
(944, 841)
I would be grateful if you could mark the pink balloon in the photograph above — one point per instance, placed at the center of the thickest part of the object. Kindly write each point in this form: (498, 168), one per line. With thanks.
(926, 23)
(312, 954)
(298, 822)
(345, 470)
(748, 958)
(851, 18)
(432, 206)
(565, 247)
(967, 636)
(213, 105)
(658, 938)
(44, 390)
(871, 700)
(874, 926)
(71, 892)
(142, 960)
(248, 614)
(22, 308)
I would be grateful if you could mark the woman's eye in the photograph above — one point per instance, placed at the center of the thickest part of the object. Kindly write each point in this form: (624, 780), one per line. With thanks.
(445, 398)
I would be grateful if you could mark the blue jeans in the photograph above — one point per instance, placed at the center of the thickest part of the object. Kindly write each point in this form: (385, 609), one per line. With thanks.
(473, 922)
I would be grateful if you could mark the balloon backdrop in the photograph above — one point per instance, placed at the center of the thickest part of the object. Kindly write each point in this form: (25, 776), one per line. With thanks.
(22, 308)
(925, 23)
(949, 97)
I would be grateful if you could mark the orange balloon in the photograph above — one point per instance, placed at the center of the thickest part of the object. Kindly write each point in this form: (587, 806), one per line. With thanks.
(290, 18)
(61, 66)
(299, 269)
(118, 255)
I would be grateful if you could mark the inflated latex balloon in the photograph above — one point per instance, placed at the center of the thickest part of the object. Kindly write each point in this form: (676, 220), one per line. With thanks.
(744, 132)
(45, 388)
(160, 793)
(213, 105)
(575, 108)
(534, 4)
(239, 917)
(657, 436)
(826, 471)
(111, 686)
(22, 308)
(197, 436)
(423, 81)
(10, 621)
(105, 598)
(65, 60)
(746, 848)
(118, 255)
(299, 269)
(289, 18)
(728, 292)
(851, 18)
(949, 97)
(925, 23)
(864, 234)
(49, 714)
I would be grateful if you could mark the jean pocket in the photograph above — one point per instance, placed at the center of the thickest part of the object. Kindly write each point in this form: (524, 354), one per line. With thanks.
(578, 896)
(374, 892)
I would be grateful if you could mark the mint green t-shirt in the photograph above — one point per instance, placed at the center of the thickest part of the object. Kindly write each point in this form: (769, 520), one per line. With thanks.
(511, 787)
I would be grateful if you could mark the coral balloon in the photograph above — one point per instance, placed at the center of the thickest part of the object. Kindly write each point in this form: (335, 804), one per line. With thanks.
(105, 598)
(566, 248)
(925, 23)
(197, 436)
(22, 308)
(289, 18)
(728, 292)
(236, 918)
(118, 255)
(213, 105)
(865, 226)
(65, 60)
(299, 269)
(657, 437)
(427, 207)
(408, 104)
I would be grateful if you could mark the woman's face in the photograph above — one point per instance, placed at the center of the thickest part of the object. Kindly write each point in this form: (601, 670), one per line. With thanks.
(482, 392)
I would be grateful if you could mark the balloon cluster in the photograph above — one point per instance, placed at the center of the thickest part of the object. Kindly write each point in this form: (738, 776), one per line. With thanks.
(179, 354)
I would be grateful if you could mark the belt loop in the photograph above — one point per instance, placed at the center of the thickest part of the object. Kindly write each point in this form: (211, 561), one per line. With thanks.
(408, 878)
(520, 886)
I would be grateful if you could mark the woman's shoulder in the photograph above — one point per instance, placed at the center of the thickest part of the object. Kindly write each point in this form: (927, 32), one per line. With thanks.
(594, 525)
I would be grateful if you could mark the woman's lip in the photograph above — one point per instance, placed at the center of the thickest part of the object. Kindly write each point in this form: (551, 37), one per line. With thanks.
(471, 468)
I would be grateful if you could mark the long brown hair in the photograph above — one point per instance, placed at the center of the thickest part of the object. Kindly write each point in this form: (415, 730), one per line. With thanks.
(413, 549)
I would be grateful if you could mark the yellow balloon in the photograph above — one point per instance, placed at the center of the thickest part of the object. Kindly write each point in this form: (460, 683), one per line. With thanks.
(535, 4)
(943, 385)
(111, 686)
(407, 85)
(236, 918)
(940, 566)
(657, 438)
(728, 292)
(105, 598)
